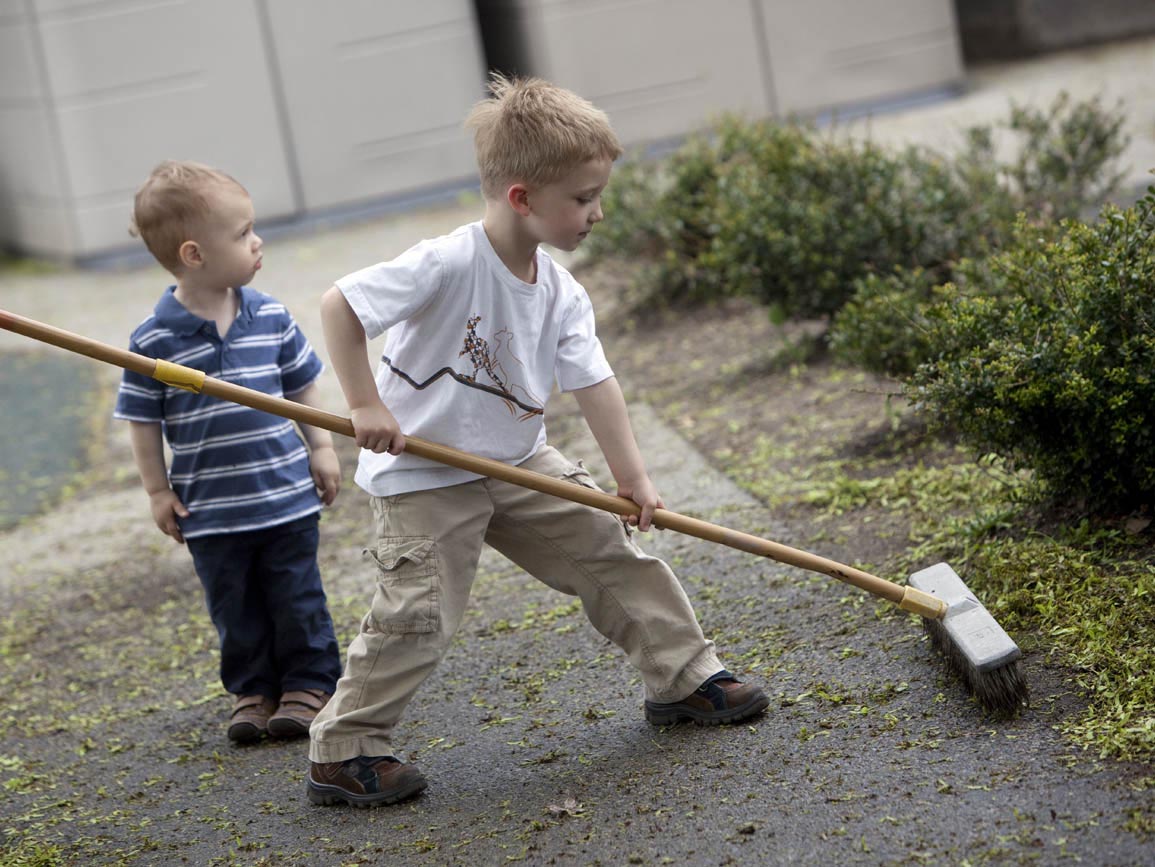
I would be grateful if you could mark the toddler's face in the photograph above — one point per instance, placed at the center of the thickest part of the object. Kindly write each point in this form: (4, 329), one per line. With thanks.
(564, 212)
(229, 244)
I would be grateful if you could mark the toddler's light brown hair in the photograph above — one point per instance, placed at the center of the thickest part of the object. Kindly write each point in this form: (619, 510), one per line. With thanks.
(535, 133)
(171, 202)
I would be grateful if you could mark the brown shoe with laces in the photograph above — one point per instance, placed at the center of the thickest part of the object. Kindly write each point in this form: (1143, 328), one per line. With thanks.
(296, 712)
(364, 781)
(722, 698)
(249, 720)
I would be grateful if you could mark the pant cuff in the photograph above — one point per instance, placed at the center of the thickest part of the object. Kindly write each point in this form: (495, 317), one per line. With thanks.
(689, 678)
(342, 751)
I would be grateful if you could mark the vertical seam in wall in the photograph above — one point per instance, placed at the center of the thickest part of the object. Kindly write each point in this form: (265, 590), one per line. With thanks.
(281, 106)
(764, 55)
(54, 133)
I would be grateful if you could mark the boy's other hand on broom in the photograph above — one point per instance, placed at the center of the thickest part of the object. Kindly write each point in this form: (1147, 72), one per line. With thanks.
(166, 508)
(645, 494)
(377, 429)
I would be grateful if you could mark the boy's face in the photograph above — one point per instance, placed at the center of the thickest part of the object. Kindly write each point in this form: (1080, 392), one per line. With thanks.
(564, 212)
(228, 245)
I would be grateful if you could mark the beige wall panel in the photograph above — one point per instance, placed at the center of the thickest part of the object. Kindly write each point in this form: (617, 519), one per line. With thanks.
(27, 167)
(19, 76)
(376, 95)
(39, 228)
(829, 53)
(135, 83)
(34, 209)
(659, 68)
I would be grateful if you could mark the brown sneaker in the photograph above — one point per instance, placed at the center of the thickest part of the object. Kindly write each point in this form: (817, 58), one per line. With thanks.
(721, 699)
(363, 781)
(296, 712)
(250, 718)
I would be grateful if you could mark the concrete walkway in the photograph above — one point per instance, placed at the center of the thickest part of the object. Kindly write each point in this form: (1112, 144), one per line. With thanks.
(1122, 73)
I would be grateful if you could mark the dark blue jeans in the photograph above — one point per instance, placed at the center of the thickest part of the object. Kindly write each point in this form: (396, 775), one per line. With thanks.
(264, 595)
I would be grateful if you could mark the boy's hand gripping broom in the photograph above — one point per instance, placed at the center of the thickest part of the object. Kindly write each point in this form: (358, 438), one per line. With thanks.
(974, 644)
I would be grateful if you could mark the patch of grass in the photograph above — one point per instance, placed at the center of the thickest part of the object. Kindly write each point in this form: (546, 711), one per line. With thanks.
(13, 264)
(1083, 592)
(23, 852)
(1089, 596)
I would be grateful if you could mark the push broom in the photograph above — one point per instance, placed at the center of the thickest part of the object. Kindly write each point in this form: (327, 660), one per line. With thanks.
(974, 644)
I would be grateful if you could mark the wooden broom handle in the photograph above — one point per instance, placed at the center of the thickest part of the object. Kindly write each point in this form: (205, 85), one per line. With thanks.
(184, 377)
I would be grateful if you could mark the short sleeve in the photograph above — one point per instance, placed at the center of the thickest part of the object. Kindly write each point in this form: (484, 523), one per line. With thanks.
(581, 362)
(390, 292)
(299, 363)
(139, 398)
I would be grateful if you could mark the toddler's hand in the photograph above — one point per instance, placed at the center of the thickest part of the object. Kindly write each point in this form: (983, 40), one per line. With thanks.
(377, 429)
(645, 495)
(326, 472)
(166, 508)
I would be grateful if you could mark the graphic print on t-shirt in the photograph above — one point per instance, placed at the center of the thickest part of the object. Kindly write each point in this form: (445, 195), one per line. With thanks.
(495, 370)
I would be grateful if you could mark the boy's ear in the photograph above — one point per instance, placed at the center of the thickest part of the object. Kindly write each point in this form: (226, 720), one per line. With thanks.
(190, 254)
(518, 198)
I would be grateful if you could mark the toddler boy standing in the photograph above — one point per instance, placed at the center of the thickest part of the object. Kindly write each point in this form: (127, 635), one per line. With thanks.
(242, 491)
(480, 324)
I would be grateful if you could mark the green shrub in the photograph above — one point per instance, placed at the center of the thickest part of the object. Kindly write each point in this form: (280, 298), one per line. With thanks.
(659, 214)
(795, 230)
(1060, 168)
(1045, 357)
(884, 326)
(795, 218)
(790, 217)
(1063, 162)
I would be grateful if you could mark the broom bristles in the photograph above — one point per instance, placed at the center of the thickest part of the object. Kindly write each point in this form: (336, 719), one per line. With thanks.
(1001, 690)
(976, 648)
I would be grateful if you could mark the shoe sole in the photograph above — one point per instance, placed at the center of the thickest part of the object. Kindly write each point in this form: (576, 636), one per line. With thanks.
(285, 727)
(245, 733)
(659, 715)
(326, 795)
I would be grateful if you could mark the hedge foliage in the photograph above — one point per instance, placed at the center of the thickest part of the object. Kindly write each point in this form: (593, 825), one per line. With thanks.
(790, 217)
(796, 218)
(1062, 168)
(1045, 356)
(970, 277)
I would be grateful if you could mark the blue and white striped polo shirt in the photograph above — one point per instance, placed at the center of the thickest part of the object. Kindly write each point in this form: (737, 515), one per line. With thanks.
(235, 469)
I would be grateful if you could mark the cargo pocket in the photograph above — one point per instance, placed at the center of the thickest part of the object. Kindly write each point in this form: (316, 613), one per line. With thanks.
(406, 600)
(579, 475)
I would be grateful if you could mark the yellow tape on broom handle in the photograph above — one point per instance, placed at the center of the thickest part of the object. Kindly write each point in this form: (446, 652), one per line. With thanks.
(179, 376)
(920, 602)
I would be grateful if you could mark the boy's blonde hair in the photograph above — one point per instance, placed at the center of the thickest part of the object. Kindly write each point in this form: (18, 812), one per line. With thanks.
(170, 202)
(535, 133)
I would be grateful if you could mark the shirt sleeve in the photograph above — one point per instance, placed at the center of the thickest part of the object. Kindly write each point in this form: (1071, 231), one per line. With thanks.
(581, 361)
(299, 364)
(390, 292)
(140, 397)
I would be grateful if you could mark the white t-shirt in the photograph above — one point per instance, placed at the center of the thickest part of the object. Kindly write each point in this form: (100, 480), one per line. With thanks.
(471, 354)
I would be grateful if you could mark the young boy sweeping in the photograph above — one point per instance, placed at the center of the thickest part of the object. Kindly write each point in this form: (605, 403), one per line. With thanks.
(481, 323)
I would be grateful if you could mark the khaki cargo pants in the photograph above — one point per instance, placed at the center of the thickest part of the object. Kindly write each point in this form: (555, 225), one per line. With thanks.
(427, 549)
